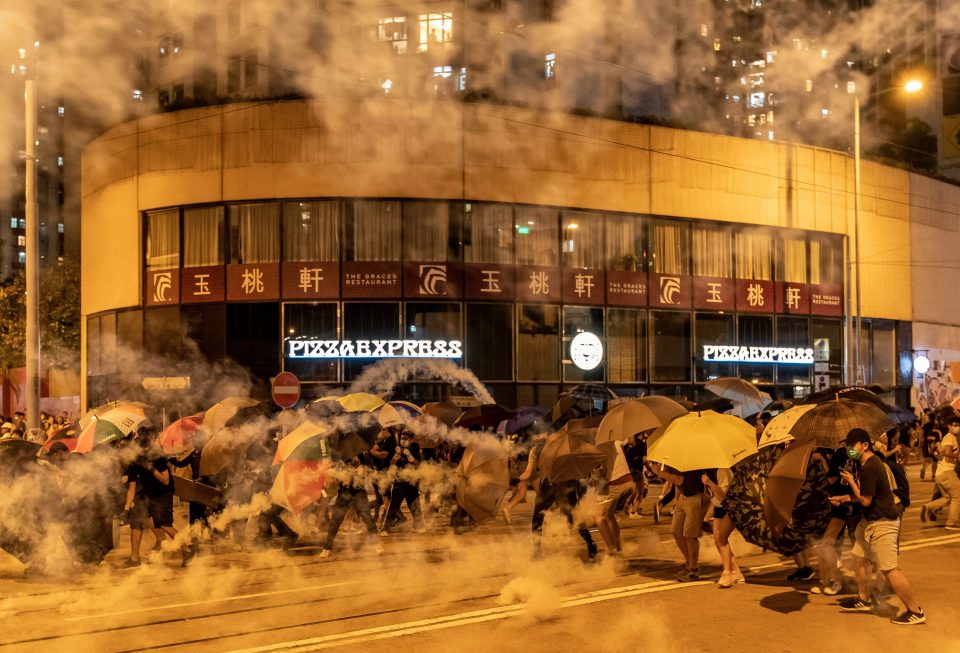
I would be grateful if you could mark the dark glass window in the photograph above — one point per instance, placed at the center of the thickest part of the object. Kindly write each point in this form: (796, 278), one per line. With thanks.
(489, 345)
(538, 343)
(311, 230)
(434, 321)
(428, 230)
(162, 335)
(93, 346)
(884, 353)
(625, 243)
(582, 235)
(827, 336)
(755, 331)
(253, 331)
(670, 346)
(311, 322)
(537, 394)
(206, 325)
(626, 345)
(537, 242)
(129, 338)
(108, 343)
(488, 233)
(368, 321)
(793, 332)
(713, 329)
(576, 320)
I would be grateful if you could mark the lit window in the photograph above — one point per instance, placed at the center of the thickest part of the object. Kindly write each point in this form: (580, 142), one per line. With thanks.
(752, 120)
(386, 85)
(808, 86)
(737, 39)
(851, 87)
(13, 223)
(770, 116)
(756, 3)
(21, 241)
(394, 31)
(770, 56)
(137, 94)
(733, 63)
(23, 223)
(22, 52)
(59, 227)
(442, 71)
(22, 257)
(824, 112)
(756, 100)
(59, 161)
(435, 29)
(60, 111)
(550, 66)
(823, 54)
(716, 44)
(462, 80)
(703, 29)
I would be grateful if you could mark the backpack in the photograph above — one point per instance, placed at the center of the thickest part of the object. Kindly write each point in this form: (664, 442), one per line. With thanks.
(899, 484)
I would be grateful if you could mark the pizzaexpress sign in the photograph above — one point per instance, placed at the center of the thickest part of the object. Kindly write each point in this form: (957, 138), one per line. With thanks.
(374, 349)
(735, 354)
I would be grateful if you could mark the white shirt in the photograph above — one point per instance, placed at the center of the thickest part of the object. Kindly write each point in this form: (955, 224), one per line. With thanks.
(946, 466)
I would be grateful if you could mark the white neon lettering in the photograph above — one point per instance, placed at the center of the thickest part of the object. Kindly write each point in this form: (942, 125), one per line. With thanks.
(374, 349)
(733, 354)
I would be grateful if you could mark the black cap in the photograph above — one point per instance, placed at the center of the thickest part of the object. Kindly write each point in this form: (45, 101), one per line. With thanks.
(857, 436)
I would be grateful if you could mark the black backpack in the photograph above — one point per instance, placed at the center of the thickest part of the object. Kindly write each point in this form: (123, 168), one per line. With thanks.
(902, 490)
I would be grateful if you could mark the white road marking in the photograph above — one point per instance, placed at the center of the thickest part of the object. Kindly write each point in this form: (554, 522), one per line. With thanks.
(239, 597)
(463, 619)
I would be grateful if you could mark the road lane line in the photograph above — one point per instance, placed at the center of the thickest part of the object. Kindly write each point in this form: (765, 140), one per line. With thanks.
(239, 597)
(463, 619)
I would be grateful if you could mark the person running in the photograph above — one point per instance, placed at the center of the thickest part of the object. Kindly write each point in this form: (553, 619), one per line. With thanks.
(406, 456)
(619, 486)
(878, 534)
(928, 447)
(827, 555)
(352, 494)
(687, 522)
(723, 527)
(948, 483)
(528, 478)
(565, 495)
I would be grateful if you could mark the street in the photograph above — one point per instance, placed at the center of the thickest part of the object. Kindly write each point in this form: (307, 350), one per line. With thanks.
(478, 591)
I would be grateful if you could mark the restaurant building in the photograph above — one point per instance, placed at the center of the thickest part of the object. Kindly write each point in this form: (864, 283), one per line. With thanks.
(318, 236)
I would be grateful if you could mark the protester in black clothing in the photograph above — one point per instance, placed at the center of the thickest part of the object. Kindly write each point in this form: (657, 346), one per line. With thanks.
(379, 456)
(405, 456)
(352, 494)
(565, 495)
(197, 512)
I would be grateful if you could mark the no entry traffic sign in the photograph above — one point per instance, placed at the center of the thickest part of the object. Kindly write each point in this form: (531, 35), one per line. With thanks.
(285, 389)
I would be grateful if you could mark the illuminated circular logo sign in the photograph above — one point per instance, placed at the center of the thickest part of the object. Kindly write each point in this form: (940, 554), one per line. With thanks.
(921, 364)
(586, 351)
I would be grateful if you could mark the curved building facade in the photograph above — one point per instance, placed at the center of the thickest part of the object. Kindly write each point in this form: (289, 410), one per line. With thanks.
(315, 237)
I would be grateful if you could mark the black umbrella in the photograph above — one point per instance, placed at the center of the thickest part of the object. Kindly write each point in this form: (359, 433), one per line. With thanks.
(901, 415)
(851, 393)
(592, 392)
(828, 423)
(718, 405)
(485, 415)
(778, 406)
(16, 453)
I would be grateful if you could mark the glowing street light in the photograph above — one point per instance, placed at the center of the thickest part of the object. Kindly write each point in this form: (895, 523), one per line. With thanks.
(913, 86)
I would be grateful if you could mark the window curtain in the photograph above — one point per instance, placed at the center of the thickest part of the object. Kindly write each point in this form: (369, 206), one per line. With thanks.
(255, 233)
(670, 248)
(754, 255)
(426, 231)
(163, 240)
(624, 242)
(826, 261)
(538, 246)
(712, 252)
(795, 260)
(375, 231)
(582, 239)
(203, 237)
(490, 230)
(311, 230)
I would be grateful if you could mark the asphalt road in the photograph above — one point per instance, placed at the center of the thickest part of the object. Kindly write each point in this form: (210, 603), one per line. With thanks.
(479, 591)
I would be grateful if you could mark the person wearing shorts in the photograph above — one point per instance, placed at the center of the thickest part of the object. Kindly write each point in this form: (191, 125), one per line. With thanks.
(618, 488)
(877, 537)
(687, 523)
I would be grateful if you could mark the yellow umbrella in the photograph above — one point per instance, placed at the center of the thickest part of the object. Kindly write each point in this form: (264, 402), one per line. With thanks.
(217, 415)
(357, 401)
(703, 440)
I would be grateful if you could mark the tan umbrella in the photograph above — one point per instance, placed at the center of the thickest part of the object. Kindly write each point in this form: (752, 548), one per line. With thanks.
(217, 416)
(778, 430)
(226, 448)
(637, 416)
(786, 478)
(483, 478)
(445, 411)
(569, 455)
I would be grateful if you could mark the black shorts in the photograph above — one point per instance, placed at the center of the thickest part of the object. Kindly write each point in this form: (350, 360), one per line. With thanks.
(719, 513)
(161, 510)
(841, 512)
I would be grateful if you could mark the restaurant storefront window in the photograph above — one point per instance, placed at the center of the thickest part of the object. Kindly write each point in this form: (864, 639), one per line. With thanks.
(670, 242)
(538, 343)
(713, 329)
(576, 320)
(255, 233)
(626, 345)
(793, 332)
(827, 336)
(434, 321)
(489, 341)
(163, 240)
(754, 254)
(884, 353)
(311, 231)
(488, 233)
(317, 321)
(670, 346)
(582, 239)
(625, 243)
(427, 232)
(368, 321)
(372, 231)
(755, 331)
(712, 251)
(203, 237)
(537, 236)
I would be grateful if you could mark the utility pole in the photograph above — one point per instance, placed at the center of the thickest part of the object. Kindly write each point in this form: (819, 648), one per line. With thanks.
(33, 268)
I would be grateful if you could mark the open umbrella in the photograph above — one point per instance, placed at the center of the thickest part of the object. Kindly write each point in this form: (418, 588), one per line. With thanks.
(850, 393)
(717, 405)
(483, 478)
(445, 411)
(778, 429)
(65, 435)
(592, 392)
(784, 482)
(217, 416)
(637, 416)
(110, 425)
(99, 410)
(303, 458)
(396, 413)
(178, 437)
(828, 423)
(734, 388)
(484, 416)
(226, 449)
(16, 453)
(703, 440)
(901, 415)
(568, 456)
(566, 408)
(525, 417)
(356, 401)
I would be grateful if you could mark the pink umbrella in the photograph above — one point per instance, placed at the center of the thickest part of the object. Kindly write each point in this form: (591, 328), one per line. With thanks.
(179, 436)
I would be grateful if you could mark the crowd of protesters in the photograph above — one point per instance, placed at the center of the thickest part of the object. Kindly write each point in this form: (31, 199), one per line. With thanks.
(868, 494)
(16, 427)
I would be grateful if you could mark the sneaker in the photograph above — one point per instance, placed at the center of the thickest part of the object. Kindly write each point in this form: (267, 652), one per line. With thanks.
(802, 574)
(816, 589)
(325, 553)
(383, 533)
(656, 513)
(130, 563)
(591, 550)
(924, 514)
(833, 588)
(506, 514)
(725, 581)
(910, 618)
(687, 575)
(738, 579)
(855, 604)
(188, 556)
